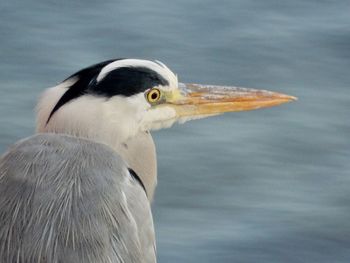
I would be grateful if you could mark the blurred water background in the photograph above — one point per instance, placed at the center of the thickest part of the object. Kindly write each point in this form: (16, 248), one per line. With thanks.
(265, 186)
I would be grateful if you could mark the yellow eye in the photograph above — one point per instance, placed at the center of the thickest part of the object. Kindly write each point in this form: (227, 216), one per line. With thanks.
(153, 95)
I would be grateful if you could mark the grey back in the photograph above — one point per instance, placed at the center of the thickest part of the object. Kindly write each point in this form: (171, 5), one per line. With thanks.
(70, 200)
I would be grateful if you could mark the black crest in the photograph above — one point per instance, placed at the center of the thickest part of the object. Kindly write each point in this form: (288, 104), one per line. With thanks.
(125, 81)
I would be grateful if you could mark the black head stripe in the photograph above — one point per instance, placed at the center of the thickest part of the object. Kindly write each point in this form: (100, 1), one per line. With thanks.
(127, 81)
(93, 69)
(80, 86)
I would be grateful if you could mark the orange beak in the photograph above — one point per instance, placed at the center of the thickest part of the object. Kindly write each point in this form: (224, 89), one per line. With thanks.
(200, 100)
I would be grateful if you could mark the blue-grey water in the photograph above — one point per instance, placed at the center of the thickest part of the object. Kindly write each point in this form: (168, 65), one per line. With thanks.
(265, 186)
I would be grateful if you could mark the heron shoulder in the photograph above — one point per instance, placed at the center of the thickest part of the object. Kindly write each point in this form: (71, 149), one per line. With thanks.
(65, 194)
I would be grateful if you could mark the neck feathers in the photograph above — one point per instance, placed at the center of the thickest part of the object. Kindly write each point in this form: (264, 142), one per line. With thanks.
(88, 118)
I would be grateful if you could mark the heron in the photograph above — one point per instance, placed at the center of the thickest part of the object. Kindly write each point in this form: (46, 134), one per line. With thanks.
(81, 188)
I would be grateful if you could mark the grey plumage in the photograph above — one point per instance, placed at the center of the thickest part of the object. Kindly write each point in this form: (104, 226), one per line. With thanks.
(67, 196)
(65, 199)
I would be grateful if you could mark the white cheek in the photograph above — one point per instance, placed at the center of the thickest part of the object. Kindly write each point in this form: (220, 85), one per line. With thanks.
(123, 115)
(139, 105)
(158, 118)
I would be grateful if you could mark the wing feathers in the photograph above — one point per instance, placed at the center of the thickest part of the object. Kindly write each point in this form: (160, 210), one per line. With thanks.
(64, 199)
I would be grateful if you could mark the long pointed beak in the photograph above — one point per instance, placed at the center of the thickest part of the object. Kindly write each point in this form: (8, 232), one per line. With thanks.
(197, 99)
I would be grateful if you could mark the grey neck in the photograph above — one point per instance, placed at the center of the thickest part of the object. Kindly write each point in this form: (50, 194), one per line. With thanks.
(139, 153)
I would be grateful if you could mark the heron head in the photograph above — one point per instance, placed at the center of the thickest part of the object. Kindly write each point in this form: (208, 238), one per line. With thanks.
(126, 96)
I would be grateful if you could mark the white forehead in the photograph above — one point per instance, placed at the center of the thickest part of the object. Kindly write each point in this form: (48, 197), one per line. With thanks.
(156, 66)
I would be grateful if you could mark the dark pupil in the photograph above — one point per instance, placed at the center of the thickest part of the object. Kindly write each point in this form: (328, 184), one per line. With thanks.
(154, 95)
